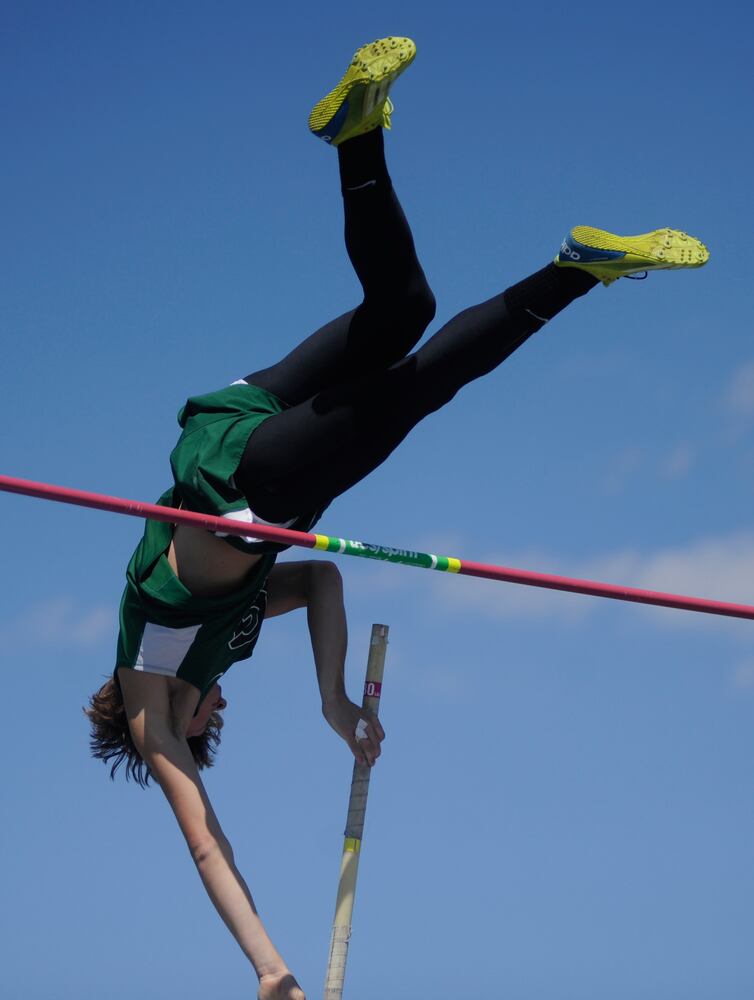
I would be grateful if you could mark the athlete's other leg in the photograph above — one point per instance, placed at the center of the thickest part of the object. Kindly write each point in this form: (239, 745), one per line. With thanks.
(398, 303)
(302, 458)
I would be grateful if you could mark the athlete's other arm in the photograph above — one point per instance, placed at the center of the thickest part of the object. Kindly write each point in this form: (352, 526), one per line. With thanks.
(317, 586)
(158, 731)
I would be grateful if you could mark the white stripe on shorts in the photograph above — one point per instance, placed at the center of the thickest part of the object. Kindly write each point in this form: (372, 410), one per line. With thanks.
(164, 649)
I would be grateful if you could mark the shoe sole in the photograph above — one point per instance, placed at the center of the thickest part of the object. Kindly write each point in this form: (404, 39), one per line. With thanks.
(660, 249)
(375, 67)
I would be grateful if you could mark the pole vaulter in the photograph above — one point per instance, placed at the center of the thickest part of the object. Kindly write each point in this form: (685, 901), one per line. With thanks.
(367, 550)
(281, 444)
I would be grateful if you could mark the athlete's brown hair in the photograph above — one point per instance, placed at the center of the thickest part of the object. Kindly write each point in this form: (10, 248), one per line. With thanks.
(110, 738)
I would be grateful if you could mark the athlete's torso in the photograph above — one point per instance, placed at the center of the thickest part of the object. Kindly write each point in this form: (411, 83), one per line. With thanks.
(207, 565)
(172, 629)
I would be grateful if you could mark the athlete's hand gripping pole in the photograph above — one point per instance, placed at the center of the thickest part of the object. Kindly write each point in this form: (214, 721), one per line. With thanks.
(357, 807)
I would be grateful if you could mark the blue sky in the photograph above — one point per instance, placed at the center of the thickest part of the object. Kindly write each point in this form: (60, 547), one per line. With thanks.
(564, 805)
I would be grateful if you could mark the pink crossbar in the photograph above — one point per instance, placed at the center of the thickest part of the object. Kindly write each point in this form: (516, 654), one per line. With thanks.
(306, 540)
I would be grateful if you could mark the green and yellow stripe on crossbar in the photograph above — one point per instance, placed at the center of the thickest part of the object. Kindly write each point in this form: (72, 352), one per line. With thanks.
(384, 553)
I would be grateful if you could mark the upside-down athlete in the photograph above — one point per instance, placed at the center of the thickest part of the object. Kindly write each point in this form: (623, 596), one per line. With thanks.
(277, 447)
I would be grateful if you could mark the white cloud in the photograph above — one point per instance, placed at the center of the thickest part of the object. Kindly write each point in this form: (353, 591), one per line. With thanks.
(740, 392)
(623, 468)
(719, 568)
(93, 626)
(59, 621)
(678, 463)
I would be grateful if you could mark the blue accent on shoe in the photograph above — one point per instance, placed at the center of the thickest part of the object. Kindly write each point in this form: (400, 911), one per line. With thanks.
(585, 254)
(330, 131)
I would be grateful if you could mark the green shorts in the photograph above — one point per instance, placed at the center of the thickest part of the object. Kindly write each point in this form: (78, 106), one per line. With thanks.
(216, 430)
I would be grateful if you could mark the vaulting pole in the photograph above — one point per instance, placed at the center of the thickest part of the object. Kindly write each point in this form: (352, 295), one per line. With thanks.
(366, 550)
(354, 832)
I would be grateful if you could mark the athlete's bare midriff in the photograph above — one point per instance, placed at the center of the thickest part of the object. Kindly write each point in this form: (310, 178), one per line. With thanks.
(208, 566)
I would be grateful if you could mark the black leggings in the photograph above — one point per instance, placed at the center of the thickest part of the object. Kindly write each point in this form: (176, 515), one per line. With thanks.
(353, 390)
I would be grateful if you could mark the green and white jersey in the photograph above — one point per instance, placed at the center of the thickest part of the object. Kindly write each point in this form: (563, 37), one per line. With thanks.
(165, 630)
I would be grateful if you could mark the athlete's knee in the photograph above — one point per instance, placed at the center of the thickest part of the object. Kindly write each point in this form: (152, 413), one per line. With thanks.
(399, 319)
(413, 304)
(419, 304)
(409, 314)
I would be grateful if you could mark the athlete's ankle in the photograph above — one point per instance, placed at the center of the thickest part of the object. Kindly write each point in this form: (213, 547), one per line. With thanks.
(361, 162)
(538, 298)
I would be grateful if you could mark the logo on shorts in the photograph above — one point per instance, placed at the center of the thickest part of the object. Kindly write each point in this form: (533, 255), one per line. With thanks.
(247, 631)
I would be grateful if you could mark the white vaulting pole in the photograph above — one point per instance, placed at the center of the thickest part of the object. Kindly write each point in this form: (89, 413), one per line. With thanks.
(357, 807)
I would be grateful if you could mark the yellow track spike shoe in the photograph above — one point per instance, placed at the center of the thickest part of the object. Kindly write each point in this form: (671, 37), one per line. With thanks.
(609, 257)
(360, 102)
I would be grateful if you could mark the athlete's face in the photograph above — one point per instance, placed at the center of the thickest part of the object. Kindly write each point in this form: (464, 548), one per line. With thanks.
(214, 702)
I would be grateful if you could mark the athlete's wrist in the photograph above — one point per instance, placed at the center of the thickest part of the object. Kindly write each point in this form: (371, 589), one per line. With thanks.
(334, 696)
(273, 969)
(278, 985)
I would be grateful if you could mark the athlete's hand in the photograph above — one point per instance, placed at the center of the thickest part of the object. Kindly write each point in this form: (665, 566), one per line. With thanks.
(281, 986)
(344, 717)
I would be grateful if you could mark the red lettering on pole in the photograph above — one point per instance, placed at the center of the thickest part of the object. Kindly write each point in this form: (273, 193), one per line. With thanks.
(372, 689)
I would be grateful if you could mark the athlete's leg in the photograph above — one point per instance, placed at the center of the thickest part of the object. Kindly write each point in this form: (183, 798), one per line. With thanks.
(302, 458)
(398, 303)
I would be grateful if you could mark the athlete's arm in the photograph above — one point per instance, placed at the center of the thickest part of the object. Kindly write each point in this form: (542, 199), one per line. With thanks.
(153, 725)
(317, 586)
